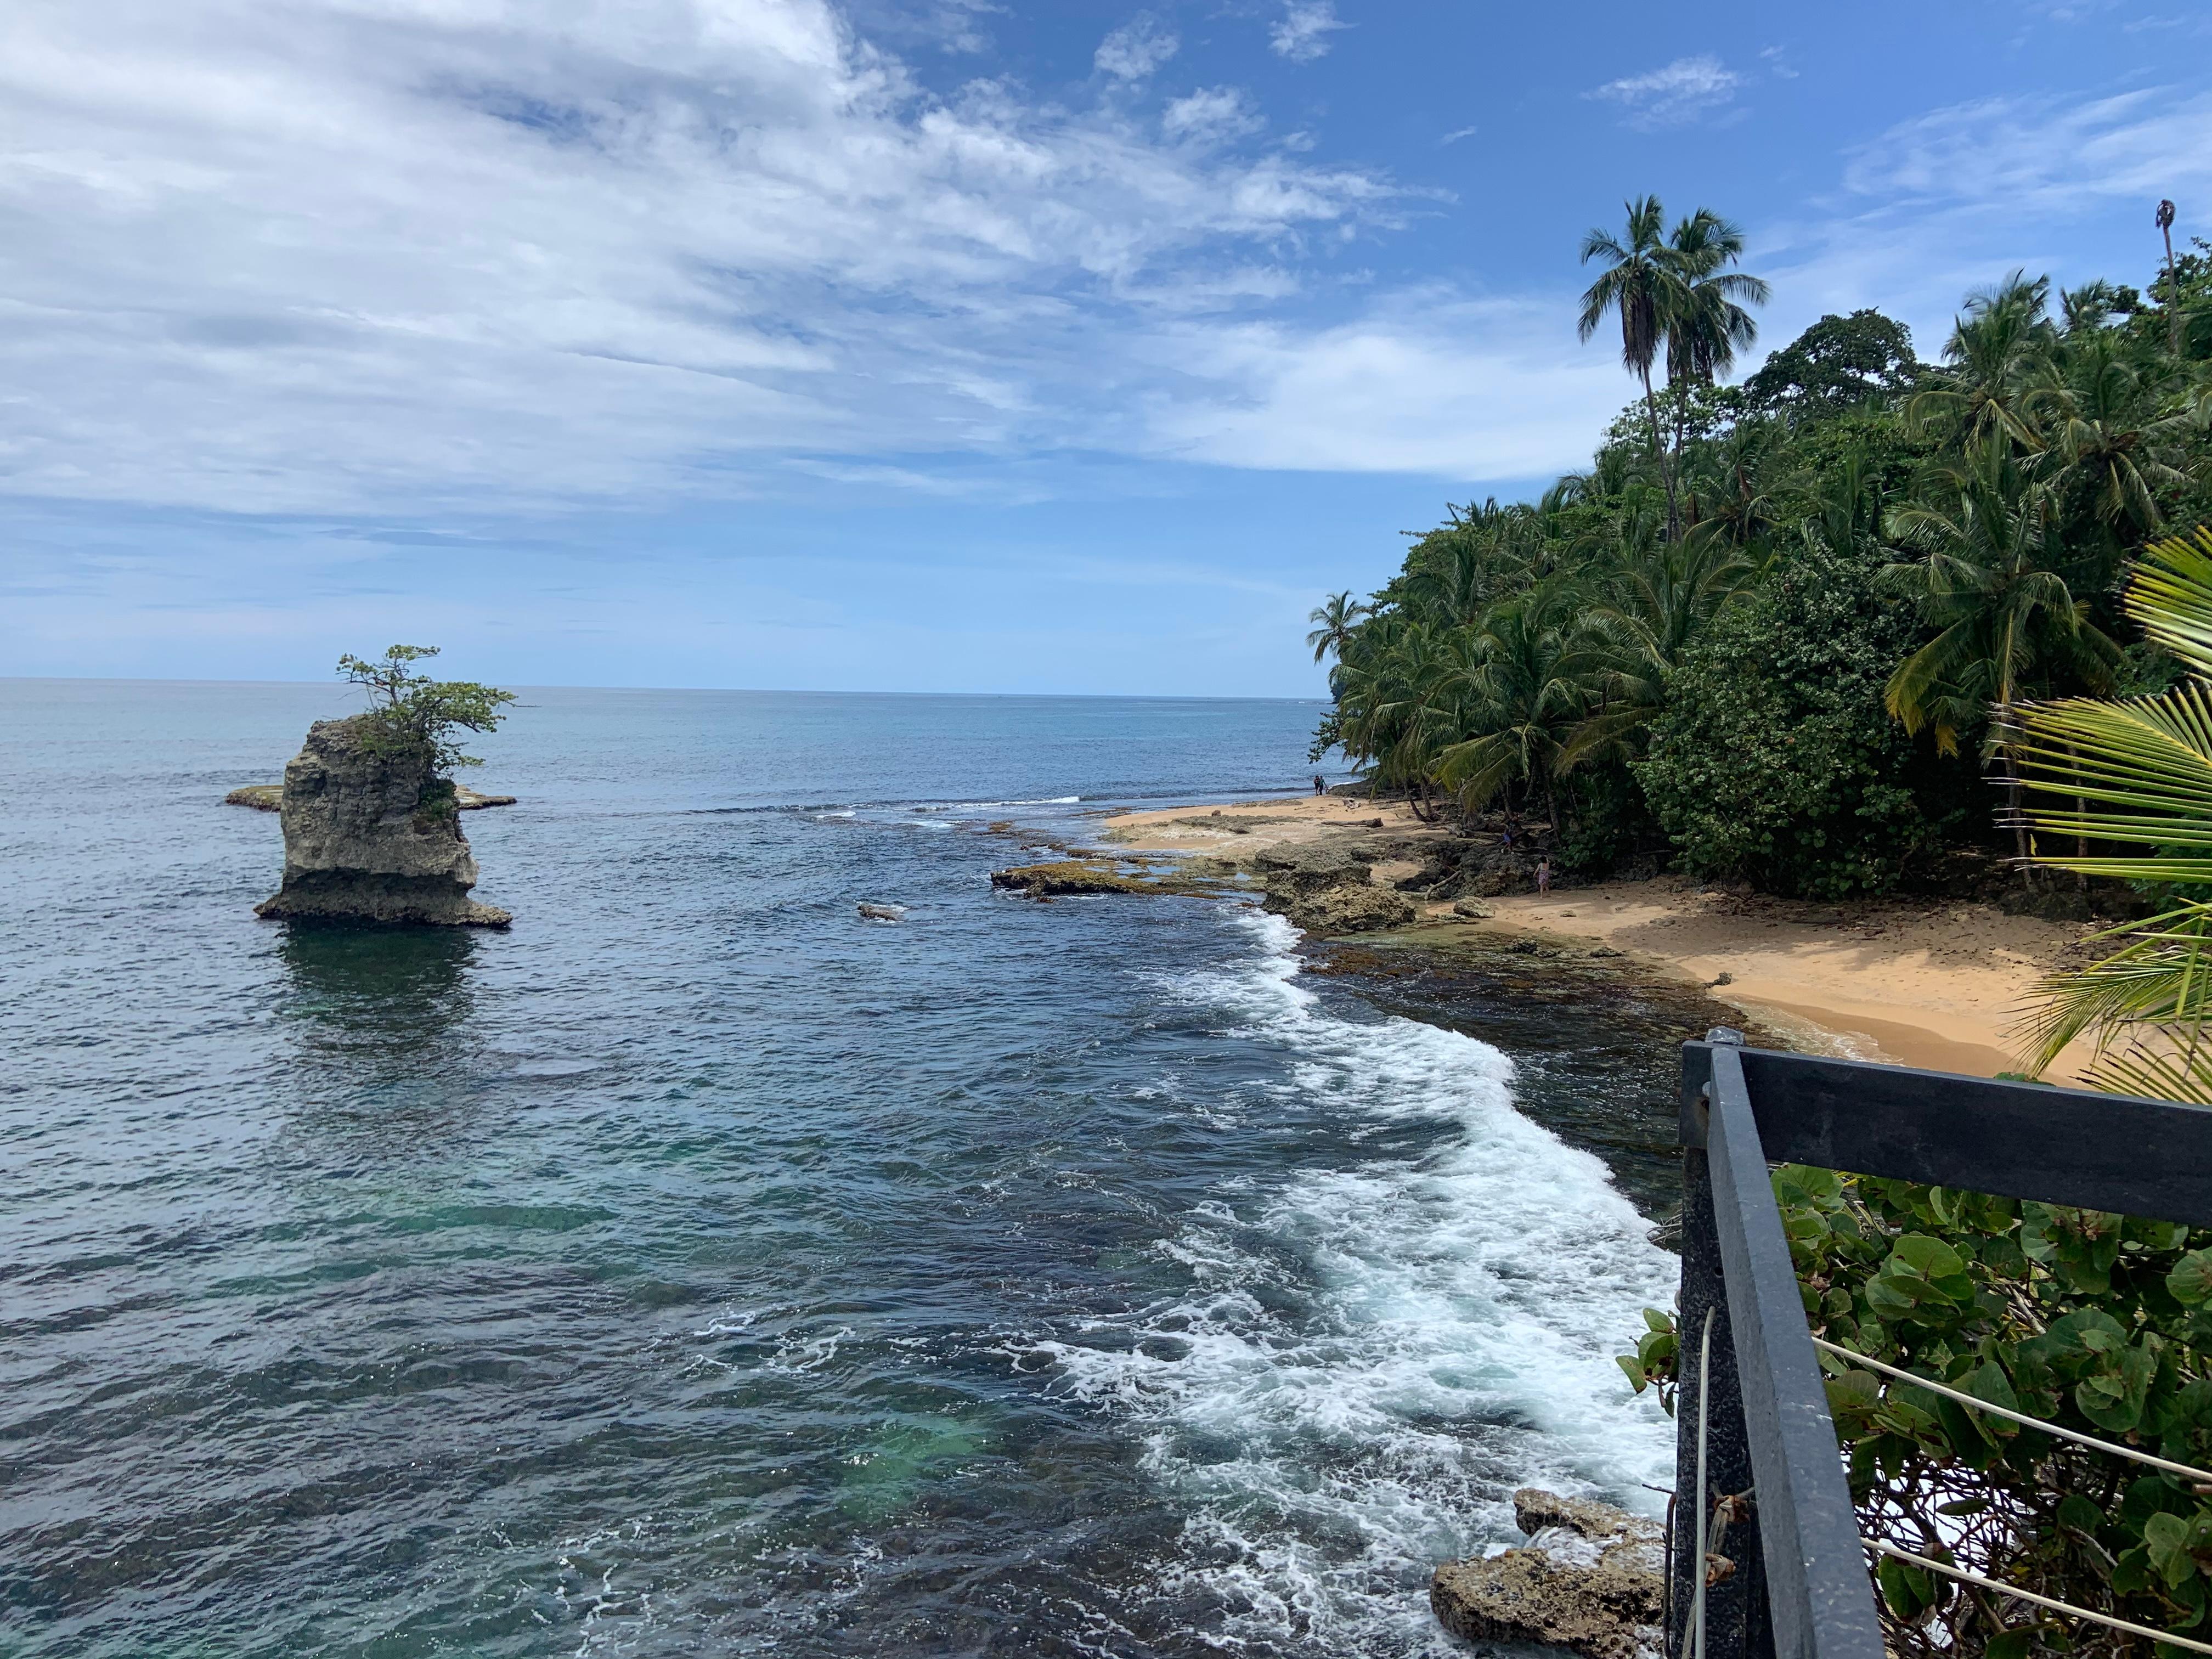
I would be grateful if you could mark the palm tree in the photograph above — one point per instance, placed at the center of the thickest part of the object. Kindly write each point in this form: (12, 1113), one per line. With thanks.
(1707, 325)
(1337, 616)
(1998, 353)
(2137, 774)
(1529, 682)
(2098, 444)
(1989, 568)
(1640, 285)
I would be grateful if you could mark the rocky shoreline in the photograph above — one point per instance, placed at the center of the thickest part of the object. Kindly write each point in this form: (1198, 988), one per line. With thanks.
(1590, 1579)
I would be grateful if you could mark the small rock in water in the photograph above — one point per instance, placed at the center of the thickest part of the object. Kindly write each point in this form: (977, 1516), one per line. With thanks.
(1589, 1580)
(883, 912)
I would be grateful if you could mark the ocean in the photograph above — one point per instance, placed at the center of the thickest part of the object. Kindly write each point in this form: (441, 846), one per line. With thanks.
(700, 1266)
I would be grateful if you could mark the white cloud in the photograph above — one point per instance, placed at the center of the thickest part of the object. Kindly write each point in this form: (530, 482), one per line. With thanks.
(1135, 49)
(1680, 92)
(1777, 59)
(2040, 154)
(1302, 33)
(1211, 115)
(1454, 136)
(1431, 383)
(330, 255)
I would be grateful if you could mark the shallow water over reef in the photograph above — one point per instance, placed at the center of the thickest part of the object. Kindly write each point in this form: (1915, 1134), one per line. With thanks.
(701, 1265)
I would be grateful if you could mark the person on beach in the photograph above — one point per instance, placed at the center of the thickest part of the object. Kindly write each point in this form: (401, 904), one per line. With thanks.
(1320, 785)
(1543, 875)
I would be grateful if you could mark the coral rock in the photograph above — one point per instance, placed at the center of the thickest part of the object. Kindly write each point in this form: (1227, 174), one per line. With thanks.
(1589, 1580)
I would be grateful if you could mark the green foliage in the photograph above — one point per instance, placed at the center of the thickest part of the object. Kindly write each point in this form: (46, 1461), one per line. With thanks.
(2099, 1323)
(2134, 778)
(1690, 638)
(2096, 1322)
(1773, 761)
(1838, 364)
(412, 714)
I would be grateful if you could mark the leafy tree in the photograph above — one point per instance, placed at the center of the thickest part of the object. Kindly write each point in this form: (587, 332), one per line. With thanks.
(1838, 363)
(1993, 580)
(1773, 761)
(1706, 324)
(1637, 285)
(412, 714)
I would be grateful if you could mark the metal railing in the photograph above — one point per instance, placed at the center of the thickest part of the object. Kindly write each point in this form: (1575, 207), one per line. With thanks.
(1773, 1501)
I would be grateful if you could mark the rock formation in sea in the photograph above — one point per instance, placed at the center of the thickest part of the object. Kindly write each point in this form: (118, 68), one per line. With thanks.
(1589, 1580)
(1329, 892)
(371, 837)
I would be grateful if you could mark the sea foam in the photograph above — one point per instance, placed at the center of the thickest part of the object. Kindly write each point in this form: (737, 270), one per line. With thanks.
(1368, 1360)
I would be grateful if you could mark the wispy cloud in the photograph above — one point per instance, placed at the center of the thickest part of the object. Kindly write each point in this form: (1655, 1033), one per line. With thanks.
(1684, 91)
(1211, 115)
(1135, 49)
(1777, 59)
(319, 256)
(1453, 137)
(1302, 33)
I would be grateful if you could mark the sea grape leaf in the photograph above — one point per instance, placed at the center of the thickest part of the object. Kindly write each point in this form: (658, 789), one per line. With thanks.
(2191, 1281)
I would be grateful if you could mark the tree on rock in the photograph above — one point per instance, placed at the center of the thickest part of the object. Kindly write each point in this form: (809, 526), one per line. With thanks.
(412, 714)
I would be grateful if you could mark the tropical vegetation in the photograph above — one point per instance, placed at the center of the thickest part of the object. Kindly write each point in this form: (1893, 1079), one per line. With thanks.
(1785, 631)
(411, 715)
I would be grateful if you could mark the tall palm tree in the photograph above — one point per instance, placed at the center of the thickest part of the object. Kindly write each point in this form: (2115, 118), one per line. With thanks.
(2137, 774)
(1638, 284)
(1336, 617)
(1707, 325)
(2102, 439)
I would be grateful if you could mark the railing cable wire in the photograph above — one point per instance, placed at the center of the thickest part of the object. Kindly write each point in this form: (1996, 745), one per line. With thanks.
(2199, 1475)
(2014, 1590)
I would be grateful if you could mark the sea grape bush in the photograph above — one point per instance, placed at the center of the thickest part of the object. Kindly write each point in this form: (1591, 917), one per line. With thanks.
(2099, 1323)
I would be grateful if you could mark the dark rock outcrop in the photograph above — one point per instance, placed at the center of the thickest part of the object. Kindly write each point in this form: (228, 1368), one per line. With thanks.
(1588, 1579)
(270, 797)
(1327, 892)
(373, 838)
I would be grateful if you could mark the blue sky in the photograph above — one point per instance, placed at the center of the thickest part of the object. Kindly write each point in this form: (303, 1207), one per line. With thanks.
(926, 344)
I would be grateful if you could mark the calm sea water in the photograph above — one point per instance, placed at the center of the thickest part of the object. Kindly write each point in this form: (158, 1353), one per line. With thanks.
(700, 1267)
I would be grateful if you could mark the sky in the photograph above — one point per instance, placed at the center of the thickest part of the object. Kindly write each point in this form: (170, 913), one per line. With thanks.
(929, 345)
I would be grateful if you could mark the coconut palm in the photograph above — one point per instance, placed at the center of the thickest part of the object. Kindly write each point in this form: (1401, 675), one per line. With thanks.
(1988, 564)
(2137, 775)
(1997, 355)
(1529, 682)
(1336, 616)
(1639, 285)
(2099, 446)
(1706, 324)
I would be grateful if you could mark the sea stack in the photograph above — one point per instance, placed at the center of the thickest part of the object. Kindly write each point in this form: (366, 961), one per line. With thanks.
(373, 837)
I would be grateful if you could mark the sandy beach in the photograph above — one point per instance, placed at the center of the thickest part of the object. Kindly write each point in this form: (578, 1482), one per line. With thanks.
(1918, 982)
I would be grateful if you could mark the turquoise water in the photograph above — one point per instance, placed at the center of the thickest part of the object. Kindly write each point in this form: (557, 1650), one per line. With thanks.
(701, 1266)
